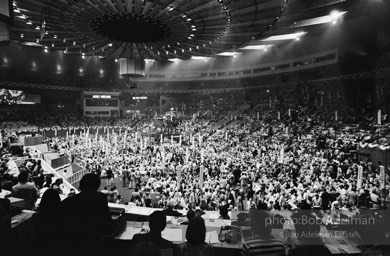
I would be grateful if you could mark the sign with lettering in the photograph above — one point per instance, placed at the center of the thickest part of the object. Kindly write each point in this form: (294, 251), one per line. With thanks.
(359, 177)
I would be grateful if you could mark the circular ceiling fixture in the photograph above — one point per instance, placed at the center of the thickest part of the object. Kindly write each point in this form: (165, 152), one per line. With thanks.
(130, 28)
(148, 29)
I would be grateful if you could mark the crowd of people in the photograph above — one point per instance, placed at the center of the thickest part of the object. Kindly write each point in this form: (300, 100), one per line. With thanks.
(277, 159)
(250, 160)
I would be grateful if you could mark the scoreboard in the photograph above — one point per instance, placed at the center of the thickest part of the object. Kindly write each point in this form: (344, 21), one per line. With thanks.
(101, 104)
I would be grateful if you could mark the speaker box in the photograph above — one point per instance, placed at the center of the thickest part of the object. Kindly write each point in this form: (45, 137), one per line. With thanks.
(17, 150)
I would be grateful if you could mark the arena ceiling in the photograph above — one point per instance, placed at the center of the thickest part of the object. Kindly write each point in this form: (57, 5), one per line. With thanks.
(167, 29)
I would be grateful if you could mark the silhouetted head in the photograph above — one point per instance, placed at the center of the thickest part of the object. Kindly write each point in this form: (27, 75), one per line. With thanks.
(50, 201)
(157, 221)
(90, 182)
(260, 224)
(196, 231)
(23, 177)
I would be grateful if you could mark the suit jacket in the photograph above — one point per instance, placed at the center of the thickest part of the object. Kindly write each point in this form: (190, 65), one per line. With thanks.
(85, 217)
(160, 242)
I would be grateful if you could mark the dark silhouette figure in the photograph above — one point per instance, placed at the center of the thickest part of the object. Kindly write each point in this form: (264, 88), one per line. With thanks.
(157, 223)
(196, 236)
(85, 218)
(45, 222)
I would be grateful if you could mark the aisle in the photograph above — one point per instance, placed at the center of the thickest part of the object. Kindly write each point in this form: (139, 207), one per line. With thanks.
(125, 192)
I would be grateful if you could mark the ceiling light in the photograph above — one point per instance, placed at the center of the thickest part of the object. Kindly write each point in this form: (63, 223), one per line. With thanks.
(335, 15)
(55, 36)
(74, 42)
(285, 37)
(32, 44)
(16, 10)
(149, 60)
(333, 18)
(22, 35)
(189, 19)
(29, 22)
(37, 28)
(256, 47)
(116, 60)
(229, 54)
(199, 58)
(46, 50)
(174, 59)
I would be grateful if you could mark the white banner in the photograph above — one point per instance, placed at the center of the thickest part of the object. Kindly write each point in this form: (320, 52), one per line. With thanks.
(382, 177)
(359, 177)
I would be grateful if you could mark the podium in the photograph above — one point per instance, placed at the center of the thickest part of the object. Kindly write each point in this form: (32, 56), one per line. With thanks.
(118, 217)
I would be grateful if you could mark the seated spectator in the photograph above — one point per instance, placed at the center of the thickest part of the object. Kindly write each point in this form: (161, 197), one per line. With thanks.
(157, 223)
(261, 242)
(57, 186)
(3, 193)
(45, 220)
(5, 227)
(196, 237)
(25, 190)
(223, 212)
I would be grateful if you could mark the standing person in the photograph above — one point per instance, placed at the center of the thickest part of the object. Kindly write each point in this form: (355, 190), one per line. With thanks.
(125, 174)
(196, 240)
(85, 218)
(110, 176)
(325, 199)
(261, 242)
